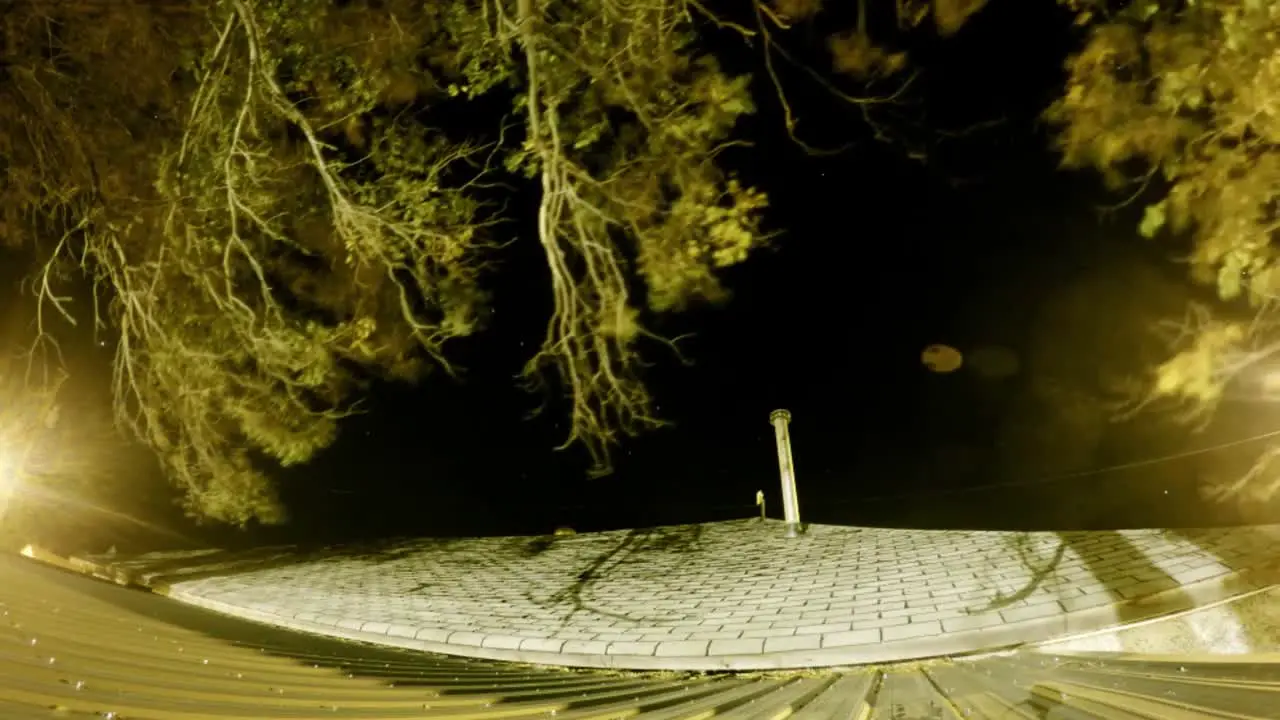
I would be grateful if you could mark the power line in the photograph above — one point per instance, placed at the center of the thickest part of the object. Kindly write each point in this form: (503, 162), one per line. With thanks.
(1080, 474)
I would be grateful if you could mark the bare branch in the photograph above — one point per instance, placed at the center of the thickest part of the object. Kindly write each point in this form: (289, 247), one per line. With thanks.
(658, 185)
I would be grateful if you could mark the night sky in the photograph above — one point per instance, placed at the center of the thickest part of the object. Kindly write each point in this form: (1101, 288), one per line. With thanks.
(961, 231)
(886, 248)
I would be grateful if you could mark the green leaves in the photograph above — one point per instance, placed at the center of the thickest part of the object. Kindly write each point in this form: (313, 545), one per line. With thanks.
(262, 190)
(1185, 92)
(631, 116)
(1229, 277)
(1153, 220)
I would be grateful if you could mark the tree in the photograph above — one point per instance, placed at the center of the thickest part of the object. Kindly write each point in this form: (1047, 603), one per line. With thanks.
(1177, 98)
(268, 209)
(271, 204)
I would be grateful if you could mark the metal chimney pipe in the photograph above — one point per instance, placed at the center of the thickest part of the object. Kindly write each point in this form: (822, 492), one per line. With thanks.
(786, 467)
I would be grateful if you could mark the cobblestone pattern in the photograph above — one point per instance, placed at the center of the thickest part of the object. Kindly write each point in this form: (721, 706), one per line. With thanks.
(731, 589)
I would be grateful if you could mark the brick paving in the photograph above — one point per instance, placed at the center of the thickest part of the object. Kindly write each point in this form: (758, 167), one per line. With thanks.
(737, 594)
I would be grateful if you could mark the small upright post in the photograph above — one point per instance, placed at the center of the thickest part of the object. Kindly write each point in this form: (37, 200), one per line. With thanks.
(781, 420)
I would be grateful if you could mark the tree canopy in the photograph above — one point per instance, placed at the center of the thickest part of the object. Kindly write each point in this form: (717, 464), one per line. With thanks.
(1176, 99)
(274, 202)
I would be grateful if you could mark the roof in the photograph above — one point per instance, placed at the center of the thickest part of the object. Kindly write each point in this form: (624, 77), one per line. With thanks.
(73, 646)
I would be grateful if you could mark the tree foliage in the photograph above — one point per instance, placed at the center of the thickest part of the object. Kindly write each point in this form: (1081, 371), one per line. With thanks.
(1179, 99)
(178, 156)
(271, 205)
(646, 176)
(269, 210)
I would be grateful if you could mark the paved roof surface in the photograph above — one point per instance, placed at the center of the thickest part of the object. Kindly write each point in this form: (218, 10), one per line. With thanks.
(73, 647)
(734, 595)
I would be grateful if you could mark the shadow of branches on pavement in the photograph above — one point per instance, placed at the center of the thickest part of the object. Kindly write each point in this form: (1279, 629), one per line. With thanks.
(680, 539)
(1124, 571)
(1127, 574)
(1022, 545)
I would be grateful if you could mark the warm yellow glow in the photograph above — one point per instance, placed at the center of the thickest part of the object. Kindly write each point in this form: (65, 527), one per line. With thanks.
(8, 482)
(8, 476)
(1271, 382)
(942, 358)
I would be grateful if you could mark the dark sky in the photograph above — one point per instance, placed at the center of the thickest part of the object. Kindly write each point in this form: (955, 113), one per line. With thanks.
(960, 231)
(881, 255)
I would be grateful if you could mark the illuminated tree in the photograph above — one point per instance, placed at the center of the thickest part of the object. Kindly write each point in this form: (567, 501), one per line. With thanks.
(242, 258)
(269, 204)
(1179, 98)
(267, 208)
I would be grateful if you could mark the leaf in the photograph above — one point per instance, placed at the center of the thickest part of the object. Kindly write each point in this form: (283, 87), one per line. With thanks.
(1153, 220)
(1229, 278)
